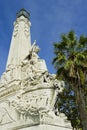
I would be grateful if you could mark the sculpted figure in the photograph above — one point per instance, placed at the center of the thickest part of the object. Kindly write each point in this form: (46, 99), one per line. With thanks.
(33, 52)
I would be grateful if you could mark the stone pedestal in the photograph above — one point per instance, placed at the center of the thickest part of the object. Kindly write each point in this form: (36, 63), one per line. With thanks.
(46, 127)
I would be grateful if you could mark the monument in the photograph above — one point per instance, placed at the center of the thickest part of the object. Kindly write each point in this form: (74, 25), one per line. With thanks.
(28, 91)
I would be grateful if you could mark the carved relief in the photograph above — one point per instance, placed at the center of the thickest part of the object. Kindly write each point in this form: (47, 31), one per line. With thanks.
(26, 30)
(5, 115)
(16, 25)
(37, 102)
(24, 108)
(27, 71)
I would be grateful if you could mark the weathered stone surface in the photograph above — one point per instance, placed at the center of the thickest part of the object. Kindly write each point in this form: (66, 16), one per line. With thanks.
(28, 92)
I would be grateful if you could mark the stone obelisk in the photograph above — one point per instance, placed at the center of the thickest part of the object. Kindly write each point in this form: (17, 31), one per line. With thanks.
(28, 92)
(21, 39)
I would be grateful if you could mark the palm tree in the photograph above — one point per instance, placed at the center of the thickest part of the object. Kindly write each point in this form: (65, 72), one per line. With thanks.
(70, 62)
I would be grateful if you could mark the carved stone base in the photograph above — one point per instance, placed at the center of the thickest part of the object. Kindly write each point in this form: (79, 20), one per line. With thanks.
(43, 127)
(42, 121)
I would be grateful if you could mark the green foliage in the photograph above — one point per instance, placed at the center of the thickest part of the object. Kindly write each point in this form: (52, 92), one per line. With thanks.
(71, 56)
(66, 103)
(70, 62)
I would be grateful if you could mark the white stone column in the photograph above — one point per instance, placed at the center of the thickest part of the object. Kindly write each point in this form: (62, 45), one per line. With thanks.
(21, 40)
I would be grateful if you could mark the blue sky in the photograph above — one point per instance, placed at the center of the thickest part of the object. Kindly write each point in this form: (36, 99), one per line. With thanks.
(49, 19)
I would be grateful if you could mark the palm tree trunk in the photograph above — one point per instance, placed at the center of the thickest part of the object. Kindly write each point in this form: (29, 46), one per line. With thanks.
(82, 108)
